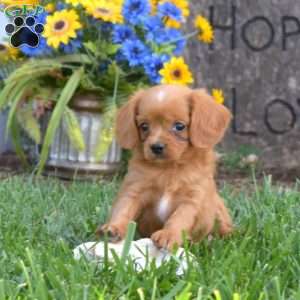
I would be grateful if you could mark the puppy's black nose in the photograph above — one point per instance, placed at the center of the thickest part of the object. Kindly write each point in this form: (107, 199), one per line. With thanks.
(157, 148)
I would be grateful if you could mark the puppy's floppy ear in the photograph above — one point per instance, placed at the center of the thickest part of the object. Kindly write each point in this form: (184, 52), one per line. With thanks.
(209, 120)
(126, 131)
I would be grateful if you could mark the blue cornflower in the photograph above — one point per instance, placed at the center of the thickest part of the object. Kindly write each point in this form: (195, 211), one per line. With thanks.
(120, 56)
(135, 52)
(107, 27)
(153, 23)
(134, 11)
(158, 36)
(41, 50)
(122, 33)
(41, 18)
(61, 6)
(169, 10)
(153, 64)
(73, 45)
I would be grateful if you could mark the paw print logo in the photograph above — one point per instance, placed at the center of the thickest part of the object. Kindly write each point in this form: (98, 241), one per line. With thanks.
(24, 32)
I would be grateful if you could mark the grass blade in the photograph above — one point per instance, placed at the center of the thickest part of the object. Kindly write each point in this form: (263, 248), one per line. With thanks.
(2, 289)
(154, 289)
(27, 277)
(125, 251)
(129, 238)
(174, 291)
(185, 294)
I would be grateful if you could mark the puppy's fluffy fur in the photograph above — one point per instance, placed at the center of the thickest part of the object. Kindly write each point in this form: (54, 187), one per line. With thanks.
(171, 190)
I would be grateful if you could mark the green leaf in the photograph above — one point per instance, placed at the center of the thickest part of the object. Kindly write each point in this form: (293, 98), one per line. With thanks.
(101, 48)
(66, 95)
(8, 93)
(112, 49)
(73, 130)
(29, 123)
(88, 84)
(173, 292)
(25, 75)
(15, 135)
(18, 97)
(163, 49)
(34, 69)
(107, 131)
(46, 93)
(91, 46)
(74, 58)
(8, 67)
(185, 294)
(4, 96)
(106, 134)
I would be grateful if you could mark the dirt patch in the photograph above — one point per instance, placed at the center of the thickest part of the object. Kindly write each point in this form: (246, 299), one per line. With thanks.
(11, 165)
(242, 179)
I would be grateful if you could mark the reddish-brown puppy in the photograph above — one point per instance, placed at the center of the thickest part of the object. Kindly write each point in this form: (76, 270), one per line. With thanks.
(170, 188)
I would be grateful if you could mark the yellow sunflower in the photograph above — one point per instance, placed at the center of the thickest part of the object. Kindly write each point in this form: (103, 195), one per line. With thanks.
(82, 2)
(218, 96)
(18, 2)
(108, 11)
(61, 27)
(153, 5)
(8, 52)
(206, 32)
(176, 71)
(50, 7)
(117, 2)
(74, 2)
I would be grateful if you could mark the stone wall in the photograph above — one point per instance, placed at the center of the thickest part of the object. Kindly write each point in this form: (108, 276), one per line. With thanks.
(255, 59)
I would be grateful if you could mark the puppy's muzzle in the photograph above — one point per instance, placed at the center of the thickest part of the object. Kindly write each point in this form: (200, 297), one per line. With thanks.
(158, 148)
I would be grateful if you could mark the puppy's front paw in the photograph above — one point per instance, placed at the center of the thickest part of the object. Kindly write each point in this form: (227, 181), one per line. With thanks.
(115, 233)
(167, 239)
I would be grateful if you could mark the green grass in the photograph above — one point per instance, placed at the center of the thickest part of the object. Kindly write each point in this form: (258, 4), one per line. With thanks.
(41, 222)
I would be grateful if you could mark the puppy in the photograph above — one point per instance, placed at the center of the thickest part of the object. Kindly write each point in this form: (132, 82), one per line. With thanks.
(169, 189)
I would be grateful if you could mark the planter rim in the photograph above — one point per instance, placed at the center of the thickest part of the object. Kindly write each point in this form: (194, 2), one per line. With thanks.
(87, 102)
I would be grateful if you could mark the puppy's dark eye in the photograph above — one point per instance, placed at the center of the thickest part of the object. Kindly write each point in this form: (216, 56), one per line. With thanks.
(178, 126)
(144, 127)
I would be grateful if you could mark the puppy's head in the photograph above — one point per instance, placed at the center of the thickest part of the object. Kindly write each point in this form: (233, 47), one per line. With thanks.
(167, 120)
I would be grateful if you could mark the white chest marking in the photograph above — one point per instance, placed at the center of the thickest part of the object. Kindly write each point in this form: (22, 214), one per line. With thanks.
(163, 207)
(161, 96)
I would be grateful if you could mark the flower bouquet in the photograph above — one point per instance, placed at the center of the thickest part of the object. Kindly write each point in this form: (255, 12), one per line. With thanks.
(106, 47)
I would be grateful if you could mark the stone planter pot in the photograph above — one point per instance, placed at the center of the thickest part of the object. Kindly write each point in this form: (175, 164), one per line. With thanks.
(5, 142)
(66, 162)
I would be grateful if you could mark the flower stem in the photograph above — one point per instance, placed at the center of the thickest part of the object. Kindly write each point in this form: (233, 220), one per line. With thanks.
(191, 34)
(185, 37)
